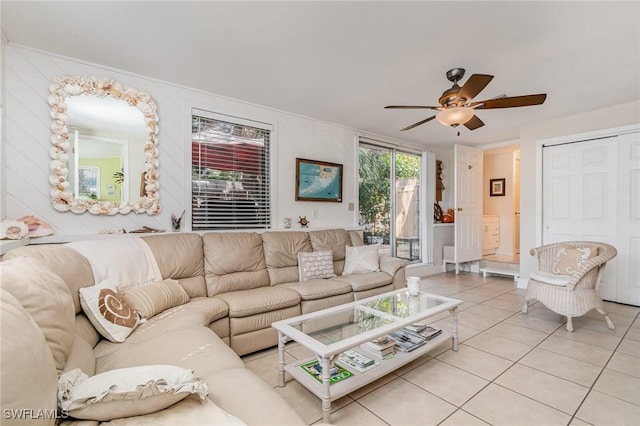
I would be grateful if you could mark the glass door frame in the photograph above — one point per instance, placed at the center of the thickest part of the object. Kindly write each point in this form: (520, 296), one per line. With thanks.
(424, 194)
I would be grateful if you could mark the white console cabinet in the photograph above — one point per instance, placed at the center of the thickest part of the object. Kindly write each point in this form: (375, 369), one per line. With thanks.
(491, 234)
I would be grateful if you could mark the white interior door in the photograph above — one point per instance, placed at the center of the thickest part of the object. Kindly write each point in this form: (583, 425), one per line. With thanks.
(580, 197)
(468, 204)
(628, 259)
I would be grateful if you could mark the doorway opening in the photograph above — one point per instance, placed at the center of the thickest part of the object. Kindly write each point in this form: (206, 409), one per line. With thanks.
(501, 208)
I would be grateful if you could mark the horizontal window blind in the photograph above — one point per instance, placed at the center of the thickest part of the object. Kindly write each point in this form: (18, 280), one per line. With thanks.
(230, 175)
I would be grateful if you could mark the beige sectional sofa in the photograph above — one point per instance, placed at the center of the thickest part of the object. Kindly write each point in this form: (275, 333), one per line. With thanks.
(238, 283)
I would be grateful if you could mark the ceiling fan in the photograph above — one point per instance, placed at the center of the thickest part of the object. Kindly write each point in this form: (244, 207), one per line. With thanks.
(456, 107)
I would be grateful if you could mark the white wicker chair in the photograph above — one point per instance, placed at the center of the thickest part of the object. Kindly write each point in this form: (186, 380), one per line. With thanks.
(573, 295)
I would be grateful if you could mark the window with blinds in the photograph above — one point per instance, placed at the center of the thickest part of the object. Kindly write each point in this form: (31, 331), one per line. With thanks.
(229, 175)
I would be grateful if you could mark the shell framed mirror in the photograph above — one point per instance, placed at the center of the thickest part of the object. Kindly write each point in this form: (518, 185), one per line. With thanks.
(104, 155)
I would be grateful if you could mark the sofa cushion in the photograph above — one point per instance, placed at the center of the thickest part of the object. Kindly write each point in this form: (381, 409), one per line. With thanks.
(362, 259)
(84, 329)
(231, 388)
(281, 248)
(330, 239)
(335, 240)
(108, 311)
(366, 281)
(319, 289)
(281, 254)
(126, 392)
(259, 300)
(74, 269)
(315, 265)
(193, 347)
(28, 369)
(188, 412)
(233, 261)
(156, 297)
(356, 238)
(46, 298)
(180, 256)
(81, 357)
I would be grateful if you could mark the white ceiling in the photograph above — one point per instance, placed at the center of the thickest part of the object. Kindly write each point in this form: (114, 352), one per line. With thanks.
(342, 62)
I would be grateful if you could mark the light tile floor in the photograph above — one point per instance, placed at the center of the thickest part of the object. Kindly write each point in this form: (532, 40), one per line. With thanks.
(511, 368)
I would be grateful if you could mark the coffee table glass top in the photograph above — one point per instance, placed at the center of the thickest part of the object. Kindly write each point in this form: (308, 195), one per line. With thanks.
(332, 329)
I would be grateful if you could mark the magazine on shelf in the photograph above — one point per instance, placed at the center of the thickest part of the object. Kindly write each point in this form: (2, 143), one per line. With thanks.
(406, 340)
(425, 331)
(430, 332)
(338, 373)
(357, 360)
(380, 344)
(416, 328)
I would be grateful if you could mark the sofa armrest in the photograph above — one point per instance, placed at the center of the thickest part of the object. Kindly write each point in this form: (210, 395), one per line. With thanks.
(396, 268)
(390, 265)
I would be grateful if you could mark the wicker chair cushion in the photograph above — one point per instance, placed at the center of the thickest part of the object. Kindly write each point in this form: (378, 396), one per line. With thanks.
(548, 278)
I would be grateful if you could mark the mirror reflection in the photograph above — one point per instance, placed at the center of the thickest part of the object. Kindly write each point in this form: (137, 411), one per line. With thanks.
(102, 132)
(104, 147)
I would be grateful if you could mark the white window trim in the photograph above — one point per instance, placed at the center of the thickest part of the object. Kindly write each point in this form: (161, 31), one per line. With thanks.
(191, 109)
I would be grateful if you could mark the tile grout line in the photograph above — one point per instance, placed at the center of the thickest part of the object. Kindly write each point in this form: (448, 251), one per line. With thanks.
(602, 370)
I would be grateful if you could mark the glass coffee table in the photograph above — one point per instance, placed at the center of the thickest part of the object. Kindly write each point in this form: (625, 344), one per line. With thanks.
(330, 332)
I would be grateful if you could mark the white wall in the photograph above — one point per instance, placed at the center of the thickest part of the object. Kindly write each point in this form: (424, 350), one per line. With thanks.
(530, 178)
(26, 163)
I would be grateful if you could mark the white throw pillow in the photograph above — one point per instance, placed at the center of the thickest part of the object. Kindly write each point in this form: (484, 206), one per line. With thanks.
(315, 265)
(126, 392)
(361, 259)
(107, 310)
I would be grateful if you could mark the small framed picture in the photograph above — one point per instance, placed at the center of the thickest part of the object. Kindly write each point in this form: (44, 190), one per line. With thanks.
(496, 187)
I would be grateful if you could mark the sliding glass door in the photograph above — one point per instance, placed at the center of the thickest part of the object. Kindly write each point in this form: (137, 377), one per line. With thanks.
(389, 199)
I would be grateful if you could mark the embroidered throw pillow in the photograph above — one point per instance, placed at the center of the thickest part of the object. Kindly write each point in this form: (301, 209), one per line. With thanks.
(567, 259)
(108, 311)
(361, 259)
(126, 392)
(315, 265)
(156, 297)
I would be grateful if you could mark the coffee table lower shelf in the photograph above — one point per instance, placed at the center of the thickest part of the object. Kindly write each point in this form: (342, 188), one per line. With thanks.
(358, 380)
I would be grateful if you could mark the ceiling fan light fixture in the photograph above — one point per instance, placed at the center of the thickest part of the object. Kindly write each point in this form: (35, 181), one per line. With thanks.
(455, 116)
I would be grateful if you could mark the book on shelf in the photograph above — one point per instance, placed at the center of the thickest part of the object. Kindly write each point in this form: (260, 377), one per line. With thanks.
(357, 360)
(407, 341)
(379, 355)
(314, 369)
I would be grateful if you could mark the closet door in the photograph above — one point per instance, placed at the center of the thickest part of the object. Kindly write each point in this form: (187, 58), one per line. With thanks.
(591, 191)
(628, 259)
(580, 197)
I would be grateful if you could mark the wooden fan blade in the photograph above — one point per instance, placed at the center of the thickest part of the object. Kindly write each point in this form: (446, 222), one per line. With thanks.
(412, 107)
(474, 85)
(474, 123)
(419, 123)
(512, 102)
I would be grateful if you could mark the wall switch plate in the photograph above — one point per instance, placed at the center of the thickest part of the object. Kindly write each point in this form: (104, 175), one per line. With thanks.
(352, 207)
